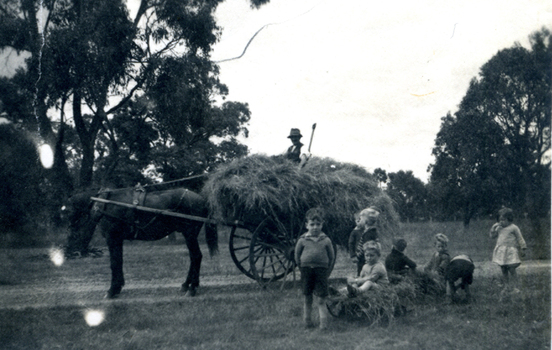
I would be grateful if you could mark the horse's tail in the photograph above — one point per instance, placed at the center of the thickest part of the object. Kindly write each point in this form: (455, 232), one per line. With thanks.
(211, 236)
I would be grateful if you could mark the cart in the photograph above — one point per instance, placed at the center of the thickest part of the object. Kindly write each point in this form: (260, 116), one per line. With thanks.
(261, 248)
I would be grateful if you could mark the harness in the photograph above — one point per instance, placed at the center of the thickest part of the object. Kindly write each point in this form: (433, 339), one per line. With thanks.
(138, 199)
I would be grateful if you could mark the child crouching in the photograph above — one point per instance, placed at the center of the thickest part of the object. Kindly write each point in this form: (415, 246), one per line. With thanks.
(461, 269)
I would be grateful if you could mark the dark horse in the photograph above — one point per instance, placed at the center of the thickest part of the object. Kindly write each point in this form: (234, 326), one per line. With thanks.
(129, 222)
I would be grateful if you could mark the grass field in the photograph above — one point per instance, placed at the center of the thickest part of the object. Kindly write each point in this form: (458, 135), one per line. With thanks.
(44, 305)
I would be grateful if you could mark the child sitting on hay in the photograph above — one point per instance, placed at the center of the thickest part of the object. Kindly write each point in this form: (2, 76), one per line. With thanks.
(373, 273)
(397, 264)
(364, 231)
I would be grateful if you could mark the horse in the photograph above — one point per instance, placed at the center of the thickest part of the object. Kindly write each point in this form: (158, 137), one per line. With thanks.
(129, 222)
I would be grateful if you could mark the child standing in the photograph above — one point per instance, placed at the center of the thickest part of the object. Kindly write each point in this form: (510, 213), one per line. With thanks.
(397, 264)
(373, 273)
(510, 245)
(364, 231)
(314, 255)
(439, 260)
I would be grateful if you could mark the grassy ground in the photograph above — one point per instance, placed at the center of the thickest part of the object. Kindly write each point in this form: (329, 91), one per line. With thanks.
(47, 304)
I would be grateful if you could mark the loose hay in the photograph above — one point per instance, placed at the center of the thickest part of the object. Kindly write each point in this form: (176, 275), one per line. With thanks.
(378, 306)
(382, 305)
(255, 187)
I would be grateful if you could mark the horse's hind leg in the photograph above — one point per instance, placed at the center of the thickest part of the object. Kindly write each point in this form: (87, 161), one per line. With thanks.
(115, 245)
(192, 281)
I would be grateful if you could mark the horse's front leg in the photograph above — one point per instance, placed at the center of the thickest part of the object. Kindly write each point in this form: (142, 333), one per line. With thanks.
(192, 281)
(115, 245)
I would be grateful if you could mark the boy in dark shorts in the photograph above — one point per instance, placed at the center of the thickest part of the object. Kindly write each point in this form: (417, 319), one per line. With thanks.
(461, 269)
(314, 255)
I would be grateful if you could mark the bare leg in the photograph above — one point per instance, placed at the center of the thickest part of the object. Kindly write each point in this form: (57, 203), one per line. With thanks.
(307, 310)
(468, 294)
(505, 277)
(514, 279)
(322, 312)
(367, 286)
(451, 290)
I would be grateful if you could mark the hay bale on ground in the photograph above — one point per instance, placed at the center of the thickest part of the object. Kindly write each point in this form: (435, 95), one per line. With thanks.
(381, 306)
(255, 187)
(378, 306)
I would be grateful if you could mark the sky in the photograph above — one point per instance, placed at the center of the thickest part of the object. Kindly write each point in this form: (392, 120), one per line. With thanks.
(376, 78)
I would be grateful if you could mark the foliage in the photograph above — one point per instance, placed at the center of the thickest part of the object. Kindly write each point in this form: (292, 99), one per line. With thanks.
(381, 175)
(409, 193)
(95, 57)
(20, 176)
(115, 95)
(495, 150)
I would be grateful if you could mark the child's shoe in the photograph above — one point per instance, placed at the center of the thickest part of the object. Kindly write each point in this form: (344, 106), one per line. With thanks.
(351, 291)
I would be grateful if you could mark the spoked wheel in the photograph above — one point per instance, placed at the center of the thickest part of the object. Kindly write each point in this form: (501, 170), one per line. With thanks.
(271, 253)
(240, 242)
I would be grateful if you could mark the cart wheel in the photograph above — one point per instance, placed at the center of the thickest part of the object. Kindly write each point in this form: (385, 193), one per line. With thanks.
(271, 253)
(239, 243)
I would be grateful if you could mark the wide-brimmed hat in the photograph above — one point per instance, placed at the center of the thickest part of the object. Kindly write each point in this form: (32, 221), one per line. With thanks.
(295, 132)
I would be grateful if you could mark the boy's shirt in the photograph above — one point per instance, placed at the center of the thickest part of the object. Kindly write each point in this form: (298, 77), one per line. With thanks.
(314, 251)
(397, 262)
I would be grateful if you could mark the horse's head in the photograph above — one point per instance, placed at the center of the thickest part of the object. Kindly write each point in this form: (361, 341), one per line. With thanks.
(97, 208)
(81, 221)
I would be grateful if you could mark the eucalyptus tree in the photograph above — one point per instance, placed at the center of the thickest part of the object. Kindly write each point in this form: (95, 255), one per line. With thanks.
(90, 61)
(496, 149)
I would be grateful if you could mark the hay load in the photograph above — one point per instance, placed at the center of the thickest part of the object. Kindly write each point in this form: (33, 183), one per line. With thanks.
(255, 187)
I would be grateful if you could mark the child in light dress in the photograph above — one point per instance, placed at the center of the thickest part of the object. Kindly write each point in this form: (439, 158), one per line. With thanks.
(373, 274)
(510, 246)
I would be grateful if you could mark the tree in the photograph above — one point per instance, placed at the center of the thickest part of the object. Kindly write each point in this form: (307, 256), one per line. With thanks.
(409, 193)
(380, 175)
(495, 150)
(92, 56)
(20, 176)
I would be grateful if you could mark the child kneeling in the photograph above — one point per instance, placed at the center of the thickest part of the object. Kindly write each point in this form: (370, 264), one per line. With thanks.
(373, 273)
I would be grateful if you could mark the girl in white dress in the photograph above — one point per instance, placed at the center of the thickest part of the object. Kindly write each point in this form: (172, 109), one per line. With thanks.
(510, 246)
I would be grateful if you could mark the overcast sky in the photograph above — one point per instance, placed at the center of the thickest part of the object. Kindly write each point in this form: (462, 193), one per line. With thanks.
(375, 77)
